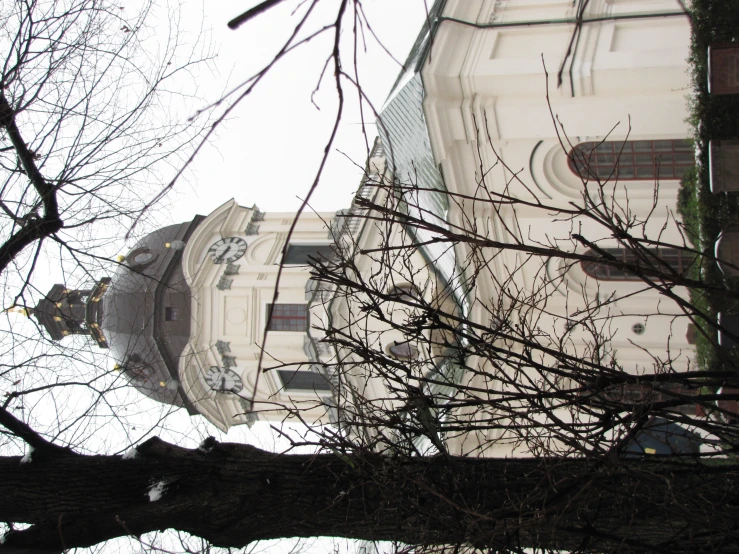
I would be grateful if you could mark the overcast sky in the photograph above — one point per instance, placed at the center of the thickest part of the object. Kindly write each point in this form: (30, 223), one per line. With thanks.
(269, 150)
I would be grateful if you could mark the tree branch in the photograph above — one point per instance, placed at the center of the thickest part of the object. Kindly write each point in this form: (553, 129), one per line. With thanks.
(35, 229)
(239, 20)
(42, 449)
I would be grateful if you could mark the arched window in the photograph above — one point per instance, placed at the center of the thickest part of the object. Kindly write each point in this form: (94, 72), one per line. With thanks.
(405, 292)
(403, 351)
(632, 159)
(676, 259)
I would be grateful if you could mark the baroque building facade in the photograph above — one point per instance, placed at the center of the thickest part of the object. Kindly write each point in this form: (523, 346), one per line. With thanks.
(471, 108)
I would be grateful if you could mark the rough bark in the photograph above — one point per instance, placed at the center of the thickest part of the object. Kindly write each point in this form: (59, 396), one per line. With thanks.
(233, 494)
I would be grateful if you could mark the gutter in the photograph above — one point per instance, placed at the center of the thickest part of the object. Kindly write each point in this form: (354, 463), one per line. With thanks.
(563, 21)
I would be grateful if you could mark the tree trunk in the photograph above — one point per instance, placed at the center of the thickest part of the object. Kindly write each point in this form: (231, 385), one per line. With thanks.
(233, 494)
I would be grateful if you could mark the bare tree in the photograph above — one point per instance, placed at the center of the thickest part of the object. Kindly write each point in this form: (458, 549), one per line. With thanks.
(550, 379)
(90, 129)
(460, 373)
(500, 380)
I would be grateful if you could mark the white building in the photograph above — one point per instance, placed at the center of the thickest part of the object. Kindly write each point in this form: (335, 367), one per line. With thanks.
(470, 117)
(470, 110)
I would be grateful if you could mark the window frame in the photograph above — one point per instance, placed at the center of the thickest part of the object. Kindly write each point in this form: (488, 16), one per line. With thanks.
(299, 254)
(287, 376)
(675, 258)
(631, 160)
(274, 322)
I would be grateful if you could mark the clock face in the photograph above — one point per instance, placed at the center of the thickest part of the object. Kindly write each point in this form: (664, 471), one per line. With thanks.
(227, 250)
(223, 380)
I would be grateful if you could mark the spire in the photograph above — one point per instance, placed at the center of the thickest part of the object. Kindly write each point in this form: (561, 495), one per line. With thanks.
(66, 312)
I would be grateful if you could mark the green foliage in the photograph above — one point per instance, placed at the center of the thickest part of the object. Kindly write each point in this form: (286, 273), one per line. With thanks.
(688, 206)
(704, 214)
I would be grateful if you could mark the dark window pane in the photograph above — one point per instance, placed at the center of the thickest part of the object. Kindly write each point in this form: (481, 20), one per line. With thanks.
(300, 254)
(642, 145)
(171, 314)
(685, 158)
(644, 159)
(288, 317)
(626, 171)
(664, 260)
(666, 171)
(303, 380)
(645, 172)
(680, 171)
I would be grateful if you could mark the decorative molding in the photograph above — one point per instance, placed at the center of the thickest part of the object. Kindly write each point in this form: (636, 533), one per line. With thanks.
(258, 215)
(223, 347)
(318, 291)
(332, 409)
(224, 283)
(249, 415)
(231, 269)
(310, 349)
(323, 347)
(252, 229)
(277, 246)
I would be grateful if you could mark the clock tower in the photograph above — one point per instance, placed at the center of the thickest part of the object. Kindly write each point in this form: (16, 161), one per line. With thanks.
(231, 263)
(185, 313)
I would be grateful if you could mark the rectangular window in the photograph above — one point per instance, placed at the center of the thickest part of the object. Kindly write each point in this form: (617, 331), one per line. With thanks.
(288, 317)
(171, 313)
(303, 380)
(301, 254)
(631, 393)
(662, 260)
(632, 159)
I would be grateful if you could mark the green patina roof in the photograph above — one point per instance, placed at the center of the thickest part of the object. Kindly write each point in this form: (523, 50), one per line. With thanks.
(405, 137)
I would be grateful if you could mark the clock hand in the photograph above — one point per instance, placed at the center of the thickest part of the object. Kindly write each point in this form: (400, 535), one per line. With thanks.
(223, 383)
(219, 259)
(227, 253)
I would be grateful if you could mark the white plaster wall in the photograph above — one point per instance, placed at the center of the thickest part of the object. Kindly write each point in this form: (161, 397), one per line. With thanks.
(237, 315)
(490, 122)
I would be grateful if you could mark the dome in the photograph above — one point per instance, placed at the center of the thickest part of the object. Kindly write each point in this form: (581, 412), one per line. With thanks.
(146, 314)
